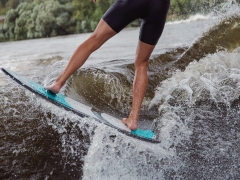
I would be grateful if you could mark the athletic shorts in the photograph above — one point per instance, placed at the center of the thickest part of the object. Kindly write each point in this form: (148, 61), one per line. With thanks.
(152, 12)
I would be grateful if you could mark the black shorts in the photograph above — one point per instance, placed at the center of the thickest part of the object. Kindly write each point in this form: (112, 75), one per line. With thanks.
(152, 12)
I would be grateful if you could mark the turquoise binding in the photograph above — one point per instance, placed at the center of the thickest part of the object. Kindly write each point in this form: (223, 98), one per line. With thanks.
(139, 132)
(149, 134)
(56, 97)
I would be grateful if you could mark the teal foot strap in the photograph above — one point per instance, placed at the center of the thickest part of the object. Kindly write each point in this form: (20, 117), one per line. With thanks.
(149, 134)
(55, 97)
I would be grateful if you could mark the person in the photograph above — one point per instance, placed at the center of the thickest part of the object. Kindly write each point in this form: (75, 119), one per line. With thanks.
(122, 12)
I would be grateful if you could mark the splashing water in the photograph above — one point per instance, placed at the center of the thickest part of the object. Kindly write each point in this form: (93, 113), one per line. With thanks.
(193, 97)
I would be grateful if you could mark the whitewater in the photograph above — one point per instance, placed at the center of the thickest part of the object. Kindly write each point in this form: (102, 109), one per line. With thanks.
(191, 103)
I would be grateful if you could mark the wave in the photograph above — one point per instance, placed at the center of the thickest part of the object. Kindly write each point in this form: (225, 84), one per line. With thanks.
(193, 96)
(197, 105)
(192, 18)
(108, 86)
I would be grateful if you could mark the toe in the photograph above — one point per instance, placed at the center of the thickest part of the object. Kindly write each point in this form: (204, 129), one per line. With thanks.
(50, 89)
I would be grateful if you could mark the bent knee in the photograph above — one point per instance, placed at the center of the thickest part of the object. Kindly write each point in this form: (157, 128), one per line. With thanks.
(141, 62)
(141, 66)
(96, 40)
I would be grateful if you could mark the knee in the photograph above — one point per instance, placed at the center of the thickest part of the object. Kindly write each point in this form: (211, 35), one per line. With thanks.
(143, 64)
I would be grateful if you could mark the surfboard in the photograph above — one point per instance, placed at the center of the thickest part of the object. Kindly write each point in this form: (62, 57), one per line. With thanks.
(81, 109)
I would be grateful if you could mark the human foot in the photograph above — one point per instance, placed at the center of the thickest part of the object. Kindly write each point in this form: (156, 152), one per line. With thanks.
(130, 123)
(54, 88)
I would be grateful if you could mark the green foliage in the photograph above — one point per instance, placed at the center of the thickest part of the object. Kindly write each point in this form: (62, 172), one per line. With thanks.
(51, 18)
(183, 8)
(82, 9)
(101, 7)
(47, 18)
(12, 4)
(3, 2)
(3, 10)
(9, 24)
(31, 20)
(87, 13)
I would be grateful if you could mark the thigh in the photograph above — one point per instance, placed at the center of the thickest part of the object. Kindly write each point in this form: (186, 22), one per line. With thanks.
(102, 33)
(123, 12)
(154, 22)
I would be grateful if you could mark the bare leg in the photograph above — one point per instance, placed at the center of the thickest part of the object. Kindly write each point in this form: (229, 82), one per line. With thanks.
(139, 84)
(102, 33)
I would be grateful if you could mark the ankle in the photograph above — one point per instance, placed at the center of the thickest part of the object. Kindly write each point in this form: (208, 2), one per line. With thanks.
(59, 83)
(133, 117)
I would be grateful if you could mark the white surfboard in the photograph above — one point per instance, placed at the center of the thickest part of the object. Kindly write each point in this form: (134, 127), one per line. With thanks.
(81, 109)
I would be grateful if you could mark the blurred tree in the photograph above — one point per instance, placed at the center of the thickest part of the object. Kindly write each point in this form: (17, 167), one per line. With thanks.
(83, 9)
(1, 5)
(51, 18)
(32, 20)
(3, 2)
(9, 24)
(183, 8)
(12, 4)
(46, 18)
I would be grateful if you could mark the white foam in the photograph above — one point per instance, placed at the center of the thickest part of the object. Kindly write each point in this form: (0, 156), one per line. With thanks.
(217, 75)
(113, 155)
(196, 17)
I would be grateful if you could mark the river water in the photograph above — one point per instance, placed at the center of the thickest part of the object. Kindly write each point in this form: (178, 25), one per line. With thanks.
(192, 104)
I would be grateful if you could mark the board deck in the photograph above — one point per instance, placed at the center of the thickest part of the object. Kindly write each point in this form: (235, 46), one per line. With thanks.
(81, 109)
